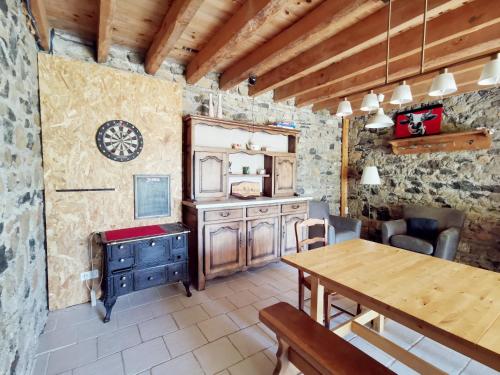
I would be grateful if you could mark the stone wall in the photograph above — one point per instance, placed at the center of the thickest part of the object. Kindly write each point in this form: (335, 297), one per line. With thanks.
(319, 147)
(466, 180)
(23, 299)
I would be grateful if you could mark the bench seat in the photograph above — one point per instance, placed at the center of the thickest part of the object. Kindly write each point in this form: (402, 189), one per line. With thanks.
(312, 348)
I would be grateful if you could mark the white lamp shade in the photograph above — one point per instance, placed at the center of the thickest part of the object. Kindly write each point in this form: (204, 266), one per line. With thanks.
(344, 108)
(370, 176)
(491, 72)
(379, 120)
(370, 102)
(401, 94)
(443, 84)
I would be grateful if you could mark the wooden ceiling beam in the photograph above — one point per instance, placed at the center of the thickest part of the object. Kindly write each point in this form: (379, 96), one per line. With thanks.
(360, 36)
(328, 18)
(106, 13)
(42, 24)
(451, 51)
(446, 31)
(176, 20)
(463, 72)
(248, 18)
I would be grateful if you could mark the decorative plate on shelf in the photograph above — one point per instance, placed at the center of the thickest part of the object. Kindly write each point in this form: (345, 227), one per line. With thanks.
(119, 140)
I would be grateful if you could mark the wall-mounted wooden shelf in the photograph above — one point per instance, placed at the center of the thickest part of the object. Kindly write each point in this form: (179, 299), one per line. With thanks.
(448, 142)
(242, 151)
(248, 175)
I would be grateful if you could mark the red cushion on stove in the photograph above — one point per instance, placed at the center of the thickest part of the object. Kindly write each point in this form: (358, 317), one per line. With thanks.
(130, 233)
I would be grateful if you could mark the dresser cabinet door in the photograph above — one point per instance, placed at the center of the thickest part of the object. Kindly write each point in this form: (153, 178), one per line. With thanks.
(224, 247)
(262, 240)
(284, 175)
(288, 240)
(210, 177)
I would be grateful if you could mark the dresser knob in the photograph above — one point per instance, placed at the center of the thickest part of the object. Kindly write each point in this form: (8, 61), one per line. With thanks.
(179, 238)
(124, 285)
(153, 243)
(123, 278)
(176, 272)
(122, 260)
(150, 278)
(121, 247)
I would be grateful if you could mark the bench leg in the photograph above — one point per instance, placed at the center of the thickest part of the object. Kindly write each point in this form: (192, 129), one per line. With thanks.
(283, 365)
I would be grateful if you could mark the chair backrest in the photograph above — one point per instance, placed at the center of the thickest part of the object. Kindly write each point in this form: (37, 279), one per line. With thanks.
(319, 209)
(446, 217)
(302, 240)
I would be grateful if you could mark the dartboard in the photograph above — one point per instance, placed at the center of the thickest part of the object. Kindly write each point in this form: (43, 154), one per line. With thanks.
(119, 140)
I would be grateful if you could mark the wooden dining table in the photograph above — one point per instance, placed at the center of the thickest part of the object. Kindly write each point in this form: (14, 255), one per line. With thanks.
(452, 303)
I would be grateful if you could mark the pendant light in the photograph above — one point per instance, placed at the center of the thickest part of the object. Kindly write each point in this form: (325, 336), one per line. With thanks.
(379, 120)
(370, 102)
(401, 94)
(443, 84)
(491, 72)
(344, 109)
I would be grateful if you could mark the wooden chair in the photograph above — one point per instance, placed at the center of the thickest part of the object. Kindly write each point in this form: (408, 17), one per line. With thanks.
(312, 348)
(305, 281)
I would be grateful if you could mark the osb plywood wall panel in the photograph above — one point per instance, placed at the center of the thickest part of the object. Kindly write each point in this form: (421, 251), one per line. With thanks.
(76, 98)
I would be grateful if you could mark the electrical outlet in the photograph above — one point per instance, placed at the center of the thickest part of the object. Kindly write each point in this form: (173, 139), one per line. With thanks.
(89, 275)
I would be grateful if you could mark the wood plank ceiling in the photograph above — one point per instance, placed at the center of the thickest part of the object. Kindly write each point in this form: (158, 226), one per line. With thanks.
(316, 51)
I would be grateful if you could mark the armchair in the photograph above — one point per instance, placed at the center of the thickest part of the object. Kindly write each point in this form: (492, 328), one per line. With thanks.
(450, 223)
(339, 229)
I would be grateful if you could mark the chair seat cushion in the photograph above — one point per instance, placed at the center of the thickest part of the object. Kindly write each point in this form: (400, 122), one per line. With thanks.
(424, 228)
(344, 235)
(406, 242)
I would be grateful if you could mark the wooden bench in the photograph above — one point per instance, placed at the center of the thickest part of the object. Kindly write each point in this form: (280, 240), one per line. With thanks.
(312, 348)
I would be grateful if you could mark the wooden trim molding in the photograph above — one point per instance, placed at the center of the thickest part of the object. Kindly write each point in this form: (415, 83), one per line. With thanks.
(106, 13)
(344, 167)
(175, 22)
(42, 24)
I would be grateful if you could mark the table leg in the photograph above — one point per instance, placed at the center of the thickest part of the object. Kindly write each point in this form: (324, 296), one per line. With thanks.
(378, 324)
(317, 291)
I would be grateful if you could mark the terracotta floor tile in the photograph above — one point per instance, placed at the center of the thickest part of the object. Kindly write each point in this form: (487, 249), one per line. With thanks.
(251, 340)
(184, 340)
(217, 356)
(218, 306)
(72, 356)
(183, 365)
(256, 364)
(117, 341)
(244, 317)
(111, 365)
(157, 327)
(190, 316)
(243, 298)
(217, 327)
(145, 356)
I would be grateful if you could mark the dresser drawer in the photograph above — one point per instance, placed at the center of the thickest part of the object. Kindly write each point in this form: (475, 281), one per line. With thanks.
(123, 283)
(149, 277)
(223, 214)
(179, 255)
(152, 252)
(262, 210)
(120, 264)
(179, 241)
(177, 271)
(119, 251)
(294, 207)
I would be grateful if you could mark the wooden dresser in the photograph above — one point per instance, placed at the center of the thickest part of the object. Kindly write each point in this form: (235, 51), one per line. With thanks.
(143, 257)
(227, 234)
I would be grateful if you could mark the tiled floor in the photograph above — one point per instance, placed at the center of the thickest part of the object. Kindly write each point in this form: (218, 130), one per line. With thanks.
(160, 331)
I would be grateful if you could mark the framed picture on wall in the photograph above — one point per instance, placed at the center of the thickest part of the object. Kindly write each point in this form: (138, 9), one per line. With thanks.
(151, 196)
(419, 122)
